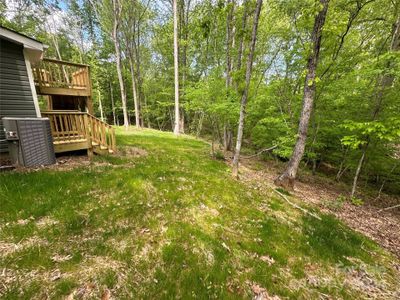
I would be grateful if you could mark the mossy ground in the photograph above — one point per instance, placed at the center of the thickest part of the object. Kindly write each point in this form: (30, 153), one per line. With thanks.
(173, 224)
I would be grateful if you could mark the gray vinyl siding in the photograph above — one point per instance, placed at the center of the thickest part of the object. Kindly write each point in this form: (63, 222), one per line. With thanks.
(16, 98)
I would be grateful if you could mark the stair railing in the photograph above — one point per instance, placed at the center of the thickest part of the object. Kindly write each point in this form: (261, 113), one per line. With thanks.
(69, 126)
(102, 133)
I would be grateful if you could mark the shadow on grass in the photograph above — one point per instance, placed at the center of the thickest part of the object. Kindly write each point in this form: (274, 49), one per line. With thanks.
(330, 240)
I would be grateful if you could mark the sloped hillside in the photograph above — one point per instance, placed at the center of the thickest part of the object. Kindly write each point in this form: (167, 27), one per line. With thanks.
(163, 220)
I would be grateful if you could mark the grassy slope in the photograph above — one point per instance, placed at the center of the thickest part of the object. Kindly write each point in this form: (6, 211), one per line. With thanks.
(170, 224)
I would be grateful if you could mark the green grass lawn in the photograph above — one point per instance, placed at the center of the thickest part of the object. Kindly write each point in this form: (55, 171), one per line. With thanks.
(173, 224)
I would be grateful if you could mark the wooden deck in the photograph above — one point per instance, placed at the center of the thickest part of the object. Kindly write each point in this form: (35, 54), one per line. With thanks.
(63, 82)
(74, 130)
(56, 77)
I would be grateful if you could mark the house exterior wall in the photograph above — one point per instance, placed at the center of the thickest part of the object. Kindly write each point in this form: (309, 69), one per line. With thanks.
(16, 98)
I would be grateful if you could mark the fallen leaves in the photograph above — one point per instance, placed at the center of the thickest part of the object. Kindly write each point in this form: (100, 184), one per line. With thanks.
(269, 260)
(60, 258)
(144, 231)
(55, 275)
(226, 247)
(106, 295)
(260, 293)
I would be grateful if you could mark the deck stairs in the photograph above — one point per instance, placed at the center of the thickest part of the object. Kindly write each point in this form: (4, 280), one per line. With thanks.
(74, 130)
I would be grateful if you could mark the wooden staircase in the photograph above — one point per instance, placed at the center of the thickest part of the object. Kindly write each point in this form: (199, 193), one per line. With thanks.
(74, 130)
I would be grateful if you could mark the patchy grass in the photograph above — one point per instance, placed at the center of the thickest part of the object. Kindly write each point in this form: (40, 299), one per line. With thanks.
(164, 220)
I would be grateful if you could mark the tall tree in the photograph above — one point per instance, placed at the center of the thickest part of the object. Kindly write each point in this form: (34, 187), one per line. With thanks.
(228, 69)
(245, 92)
(109, 14)
(176, 67)
(129, 21)
(287, 178)
(116, 15)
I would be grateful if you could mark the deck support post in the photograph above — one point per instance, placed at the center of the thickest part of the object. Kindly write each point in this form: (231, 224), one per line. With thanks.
(88, 136)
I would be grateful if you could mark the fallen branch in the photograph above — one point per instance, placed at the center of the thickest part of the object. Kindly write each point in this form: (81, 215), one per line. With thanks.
(297, 206)
(390, 207)
(262, 151)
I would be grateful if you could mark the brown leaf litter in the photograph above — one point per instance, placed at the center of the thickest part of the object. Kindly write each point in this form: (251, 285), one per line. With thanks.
(260, 293)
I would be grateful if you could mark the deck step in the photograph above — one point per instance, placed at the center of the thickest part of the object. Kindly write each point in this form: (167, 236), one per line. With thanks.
(74, 130)
(61, 142)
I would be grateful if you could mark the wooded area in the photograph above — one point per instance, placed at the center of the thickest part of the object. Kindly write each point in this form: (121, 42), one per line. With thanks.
(315, 81)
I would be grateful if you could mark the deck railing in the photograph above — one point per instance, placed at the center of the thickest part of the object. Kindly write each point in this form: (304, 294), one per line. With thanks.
(61, 78)
(74, 126)
(102, 133)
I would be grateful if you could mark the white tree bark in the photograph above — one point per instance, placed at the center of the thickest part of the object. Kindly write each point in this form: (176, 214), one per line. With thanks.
(135, 97)
(112, 103)
(116, 22)
(176, 68)
(100, 106)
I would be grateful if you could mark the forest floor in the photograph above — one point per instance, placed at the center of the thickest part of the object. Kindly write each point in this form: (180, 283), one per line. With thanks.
(163, 220)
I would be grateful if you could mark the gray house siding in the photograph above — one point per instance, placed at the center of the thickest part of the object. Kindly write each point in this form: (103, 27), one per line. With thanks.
(16, 98)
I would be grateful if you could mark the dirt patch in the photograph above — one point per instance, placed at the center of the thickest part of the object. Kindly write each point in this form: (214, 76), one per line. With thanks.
(129, 152)
(381, 226)
(46, 222)
(7, 248)
(73, 161)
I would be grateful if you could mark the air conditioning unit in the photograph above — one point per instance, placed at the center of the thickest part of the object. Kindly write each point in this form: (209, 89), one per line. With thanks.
(30, 141)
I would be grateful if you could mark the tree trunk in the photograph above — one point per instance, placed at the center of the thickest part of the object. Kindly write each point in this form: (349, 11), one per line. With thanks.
(228, 69)
(287, 178)
(358, 171)
(243, 102)
(101, 107)
(112, 103)
(134, 92)
(176, 68)
(116, 16)
(341, 167)
(240, 50)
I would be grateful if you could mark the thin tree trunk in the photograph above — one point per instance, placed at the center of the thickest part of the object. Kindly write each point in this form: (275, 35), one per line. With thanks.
(134, 92)
(141, 96)
(116, 16)
(112, 103)
(228, 69)
(176, 68)
(384, 181)
(287, 178)
(341, 169)
(55, 43)
(235, 170)
(358, 171)
(101, 107)
(240, 50)
(200, 124)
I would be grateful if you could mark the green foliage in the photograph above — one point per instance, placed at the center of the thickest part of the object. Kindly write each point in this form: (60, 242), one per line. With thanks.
(336, 204)
(356, 201)
(219, 155)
